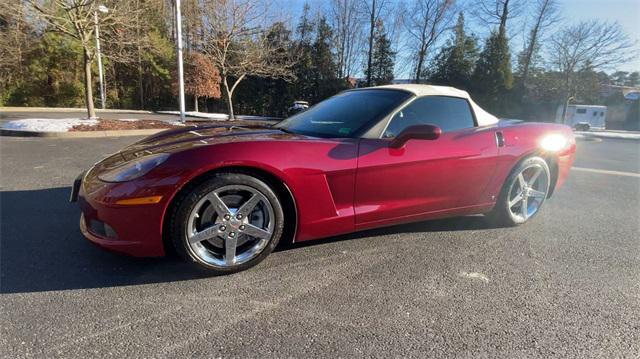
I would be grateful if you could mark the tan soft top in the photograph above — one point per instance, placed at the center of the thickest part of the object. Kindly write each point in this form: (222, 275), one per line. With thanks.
(483, 117)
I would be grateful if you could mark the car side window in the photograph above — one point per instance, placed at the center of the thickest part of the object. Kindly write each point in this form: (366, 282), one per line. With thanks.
(448, 113)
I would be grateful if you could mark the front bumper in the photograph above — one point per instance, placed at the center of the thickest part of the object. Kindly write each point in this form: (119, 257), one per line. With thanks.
(134, 230)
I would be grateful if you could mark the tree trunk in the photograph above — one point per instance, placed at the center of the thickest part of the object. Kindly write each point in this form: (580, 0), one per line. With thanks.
(229, 94)
(140, 85)
(419, 66)
(195, 103)
(503, 17)
(230, 106)
(88, 90)
(371, 28)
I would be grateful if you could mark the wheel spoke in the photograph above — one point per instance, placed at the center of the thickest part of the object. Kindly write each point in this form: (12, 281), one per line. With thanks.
(536, 193)
(515, 200)
(535, 176)
(207, 233)
(230, 244)
(524, 210)
(249, 205)
(256, 232)
(219, 206)
(521, 181)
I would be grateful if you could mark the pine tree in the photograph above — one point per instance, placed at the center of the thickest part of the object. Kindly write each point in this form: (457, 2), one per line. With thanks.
(454, 65)
(325, 81)
(492, 77)
(302, 88)
(383, 62)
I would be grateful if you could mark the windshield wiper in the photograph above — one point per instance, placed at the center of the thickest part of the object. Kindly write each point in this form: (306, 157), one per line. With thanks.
(285, 130)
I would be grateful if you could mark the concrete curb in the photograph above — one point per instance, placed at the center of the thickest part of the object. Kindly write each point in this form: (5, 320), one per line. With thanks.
(587, 138)
(68, 109)
(81, 134)
(612, 135)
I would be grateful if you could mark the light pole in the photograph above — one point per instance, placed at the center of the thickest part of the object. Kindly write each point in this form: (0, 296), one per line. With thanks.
(180, 67)
(566, 109)
(103, 9)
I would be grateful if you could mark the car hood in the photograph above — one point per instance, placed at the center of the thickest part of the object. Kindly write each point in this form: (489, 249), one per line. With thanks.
(188, 137)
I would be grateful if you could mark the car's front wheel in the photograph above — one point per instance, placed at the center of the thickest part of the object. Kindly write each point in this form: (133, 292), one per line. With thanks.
(523, 193)
(229, 223)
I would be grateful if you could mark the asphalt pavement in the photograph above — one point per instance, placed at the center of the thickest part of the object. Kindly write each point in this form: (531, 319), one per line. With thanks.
(566, 285)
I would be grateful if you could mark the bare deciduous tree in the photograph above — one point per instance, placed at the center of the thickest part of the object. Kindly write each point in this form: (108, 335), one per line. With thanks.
(240, 46)
(425, 23)
(545, 14)
(497, 12)
(373, 10)
(588, 45)
(347, 26)
(77, 19)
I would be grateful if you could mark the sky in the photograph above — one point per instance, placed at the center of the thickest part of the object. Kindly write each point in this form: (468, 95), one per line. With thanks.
(625, 12)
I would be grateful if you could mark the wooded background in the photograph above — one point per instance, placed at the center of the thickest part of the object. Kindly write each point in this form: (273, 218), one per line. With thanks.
(244, 56)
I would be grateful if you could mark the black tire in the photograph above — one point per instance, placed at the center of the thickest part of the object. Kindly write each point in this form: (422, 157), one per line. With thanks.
(501, 215)
(186, 202)
(583, 127)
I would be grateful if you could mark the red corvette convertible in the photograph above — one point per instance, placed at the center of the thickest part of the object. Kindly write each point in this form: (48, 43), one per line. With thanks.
(224, 196)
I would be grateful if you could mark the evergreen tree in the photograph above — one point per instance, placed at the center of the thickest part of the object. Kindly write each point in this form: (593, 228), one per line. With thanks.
(302, 88)
(325, 81)
(492, 77)
(454, 65)
(383, 62)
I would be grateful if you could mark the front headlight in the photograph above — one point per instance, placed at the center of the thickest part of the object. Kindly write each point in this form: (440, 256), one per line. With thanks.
(554, 142)
(134, 169)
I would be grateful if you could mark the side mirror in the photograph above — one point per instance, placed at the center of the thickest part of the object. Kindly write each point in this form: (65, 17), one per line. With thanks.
(417, 132)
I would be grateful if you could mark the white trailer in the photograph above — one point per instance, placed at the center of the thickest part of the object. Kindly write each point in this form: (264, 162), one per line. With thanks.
(584, 117)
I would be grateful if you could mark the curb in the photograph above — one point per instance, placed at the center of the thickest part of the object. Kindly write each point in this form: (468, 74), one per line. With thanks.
(595, 135)
(68, 109)
(81, 134)
(587, 138)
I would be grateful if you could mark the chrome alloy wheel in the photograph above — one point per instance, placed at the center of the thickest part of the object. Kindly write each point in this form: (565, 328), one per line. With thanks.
(230, 225)
(528, 192)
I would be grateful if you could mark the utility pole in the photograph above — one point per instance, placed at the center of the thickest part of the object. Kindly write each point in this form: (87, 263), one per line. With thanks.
(103, 9)
(180, 65)
(371, 28)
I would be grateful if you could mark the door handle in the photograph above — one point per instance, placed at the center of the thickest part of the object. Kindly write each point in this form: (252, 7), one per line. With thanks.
(499, 138)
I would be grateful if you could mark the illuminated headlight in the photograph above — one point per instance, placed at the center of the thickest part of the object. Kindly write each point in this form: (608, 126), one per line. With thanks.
(134, 169)
(554, 142)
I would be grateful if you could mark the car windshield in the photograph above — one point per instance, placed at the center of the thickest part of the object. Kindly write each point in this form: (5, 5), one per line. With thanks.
(345, 114)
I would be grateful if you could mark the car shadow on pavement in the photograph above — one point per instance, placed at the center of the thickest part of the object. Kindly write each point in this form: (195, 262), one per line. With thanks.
(466, 223)
(42, 249)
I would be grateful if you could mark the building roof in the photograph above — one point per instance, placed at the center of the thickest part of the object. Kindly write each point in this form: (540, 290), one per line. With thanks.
(483, 117)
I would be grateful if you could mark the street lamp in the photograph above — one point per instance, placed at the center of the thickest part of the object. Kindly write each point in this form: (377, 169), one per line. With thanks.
(103, 9)
(180, 66)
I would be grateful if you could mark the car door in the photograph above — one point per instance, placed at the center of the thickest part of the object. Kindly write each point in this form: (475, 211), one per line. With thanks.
(425, 176)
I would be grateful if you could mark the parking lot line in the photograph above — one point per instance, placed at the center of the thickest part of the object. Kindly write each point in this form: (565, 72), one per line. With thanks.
(606, 172)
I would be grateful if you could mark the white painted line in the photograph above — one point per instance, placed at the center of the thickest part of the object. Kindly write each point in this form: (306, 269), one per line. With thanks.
(606, 172)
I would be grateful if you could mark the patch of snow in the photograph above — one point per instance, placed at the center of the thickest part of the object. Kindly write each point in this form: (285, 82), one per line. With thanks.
(128, 119)
(47, 124)
(610, 134)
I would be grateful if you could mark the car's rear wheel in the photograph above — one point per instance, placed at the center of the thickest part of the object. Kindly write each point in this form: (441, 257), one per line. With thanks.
(523, 193)
(227, 224)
